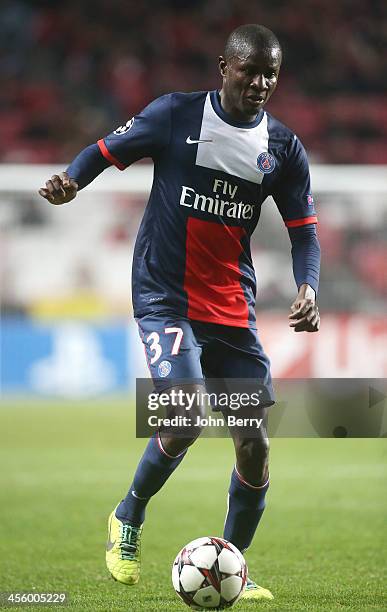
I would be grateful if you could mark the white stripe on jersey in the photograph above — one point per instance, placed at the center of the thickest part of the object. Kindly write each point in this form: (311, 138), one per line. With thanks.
(233, 150)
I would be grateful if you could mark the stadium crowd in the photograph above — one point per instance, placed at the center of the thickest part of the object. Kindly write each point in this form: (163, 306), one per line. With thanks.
(73, 70)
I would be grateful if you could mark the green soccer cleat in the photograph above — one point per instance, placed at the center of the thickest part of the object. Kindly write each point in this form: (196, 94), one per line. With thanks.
(253, 591)
(123, 550)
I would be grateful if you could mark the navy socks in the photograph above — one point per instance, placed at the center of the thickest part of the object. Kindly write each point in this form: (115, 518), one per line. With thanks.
(246, 504)
(152, 472)
(245, 507)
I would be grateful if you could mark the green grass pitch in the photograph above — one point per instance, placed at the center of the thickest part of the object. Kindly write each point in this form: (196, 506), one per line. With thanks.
(321, 544)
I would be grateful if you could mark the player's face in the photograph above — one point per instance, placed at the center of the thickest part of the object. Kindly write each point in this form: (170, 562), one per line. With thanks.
(249, 81)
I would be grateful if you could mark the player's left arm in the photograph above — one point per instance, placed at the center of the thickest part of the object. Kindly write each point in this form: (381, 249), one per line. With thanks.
(295, 203)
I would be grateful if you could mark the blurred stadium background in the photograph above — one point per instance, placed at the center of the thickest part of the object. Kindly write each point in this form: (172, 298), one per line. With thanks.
(72, 72)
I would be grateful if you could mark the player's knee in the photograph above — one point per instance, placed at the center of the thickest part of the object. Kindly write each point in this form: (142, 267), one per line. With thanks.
(176, 445)
(252, 459)
(189, 411)
(178, 440)
(185, 416)
(251, 449)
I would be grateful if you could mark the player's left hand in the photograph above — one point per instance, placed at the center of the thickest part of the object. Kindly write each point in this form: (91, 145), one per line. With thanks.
(304, 311)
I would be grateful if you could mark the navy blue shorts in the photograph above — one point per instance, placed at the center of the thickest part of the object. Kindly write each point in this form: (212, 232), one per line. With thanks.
(178, 348)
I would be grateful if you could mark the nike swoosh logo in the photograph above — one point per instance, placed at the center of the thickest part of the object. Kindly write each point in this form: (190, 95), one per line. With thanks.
(190, 141)
(137, 496)
(109, 543)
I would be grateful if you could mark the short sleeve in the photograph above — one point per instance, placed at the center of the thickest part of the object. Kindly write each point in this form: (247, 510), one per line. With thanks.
(144, 135)
(292, 193)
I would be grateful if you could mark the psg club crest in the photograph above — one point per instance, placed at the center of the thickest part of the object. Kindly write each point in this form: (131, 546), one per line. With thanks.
(164, 368)
(265, 163)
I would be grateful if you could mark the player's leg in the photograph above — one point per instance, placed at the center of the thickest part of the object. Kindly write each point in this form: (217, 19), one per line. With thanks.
(159, 460)
(246, 496)
(163, 454)
(249, 482)
(242, 357)
(172, 352)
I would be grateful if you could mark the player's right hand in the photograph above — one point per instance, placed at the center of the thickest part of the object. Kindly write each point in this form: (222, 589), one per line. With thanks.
(59, 189)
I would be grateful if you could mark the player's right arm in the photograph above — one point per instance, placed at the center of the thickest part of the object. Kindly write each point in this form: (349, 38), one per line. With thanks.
(59, 189)
(62, 188)
(145, 135)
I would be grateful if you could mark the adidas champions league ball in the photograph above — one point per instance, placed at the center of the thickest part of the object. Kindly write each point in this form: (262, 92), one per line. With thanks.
(209, 573)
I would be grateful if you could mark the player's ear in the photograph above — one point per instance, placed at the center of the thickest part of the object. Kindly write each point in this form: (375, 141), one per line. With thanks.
(222, 66)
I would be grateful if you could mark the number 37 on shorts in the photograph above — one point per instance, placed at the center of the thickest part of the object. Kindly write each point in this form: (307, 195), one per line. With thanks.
(170, 347)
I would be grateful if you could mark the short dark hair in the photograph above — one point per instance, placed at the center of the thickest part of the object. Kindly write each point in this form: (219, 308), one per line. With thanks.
(247, 37)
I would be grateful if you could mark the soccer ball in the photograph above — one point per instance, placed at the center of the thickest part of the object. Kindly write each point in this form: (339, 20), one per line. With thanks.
(209, 573)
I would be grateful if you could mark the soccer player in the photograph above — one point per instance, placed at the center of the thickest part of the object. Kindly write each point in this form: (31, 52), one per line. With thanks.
(217, 156)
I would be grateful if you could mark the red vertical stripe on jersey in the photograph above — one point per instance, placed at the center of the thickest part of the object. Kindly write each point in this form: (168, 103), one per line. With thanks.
(212, 274)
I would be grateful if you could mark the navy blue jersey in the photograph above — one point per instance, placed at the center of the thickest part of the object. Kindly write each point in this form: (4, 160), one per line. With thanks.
(211, 175)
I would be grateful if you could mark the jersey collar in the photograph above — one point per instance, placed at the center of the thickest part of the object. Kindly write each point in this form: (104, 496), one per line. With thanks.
(217, 107)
